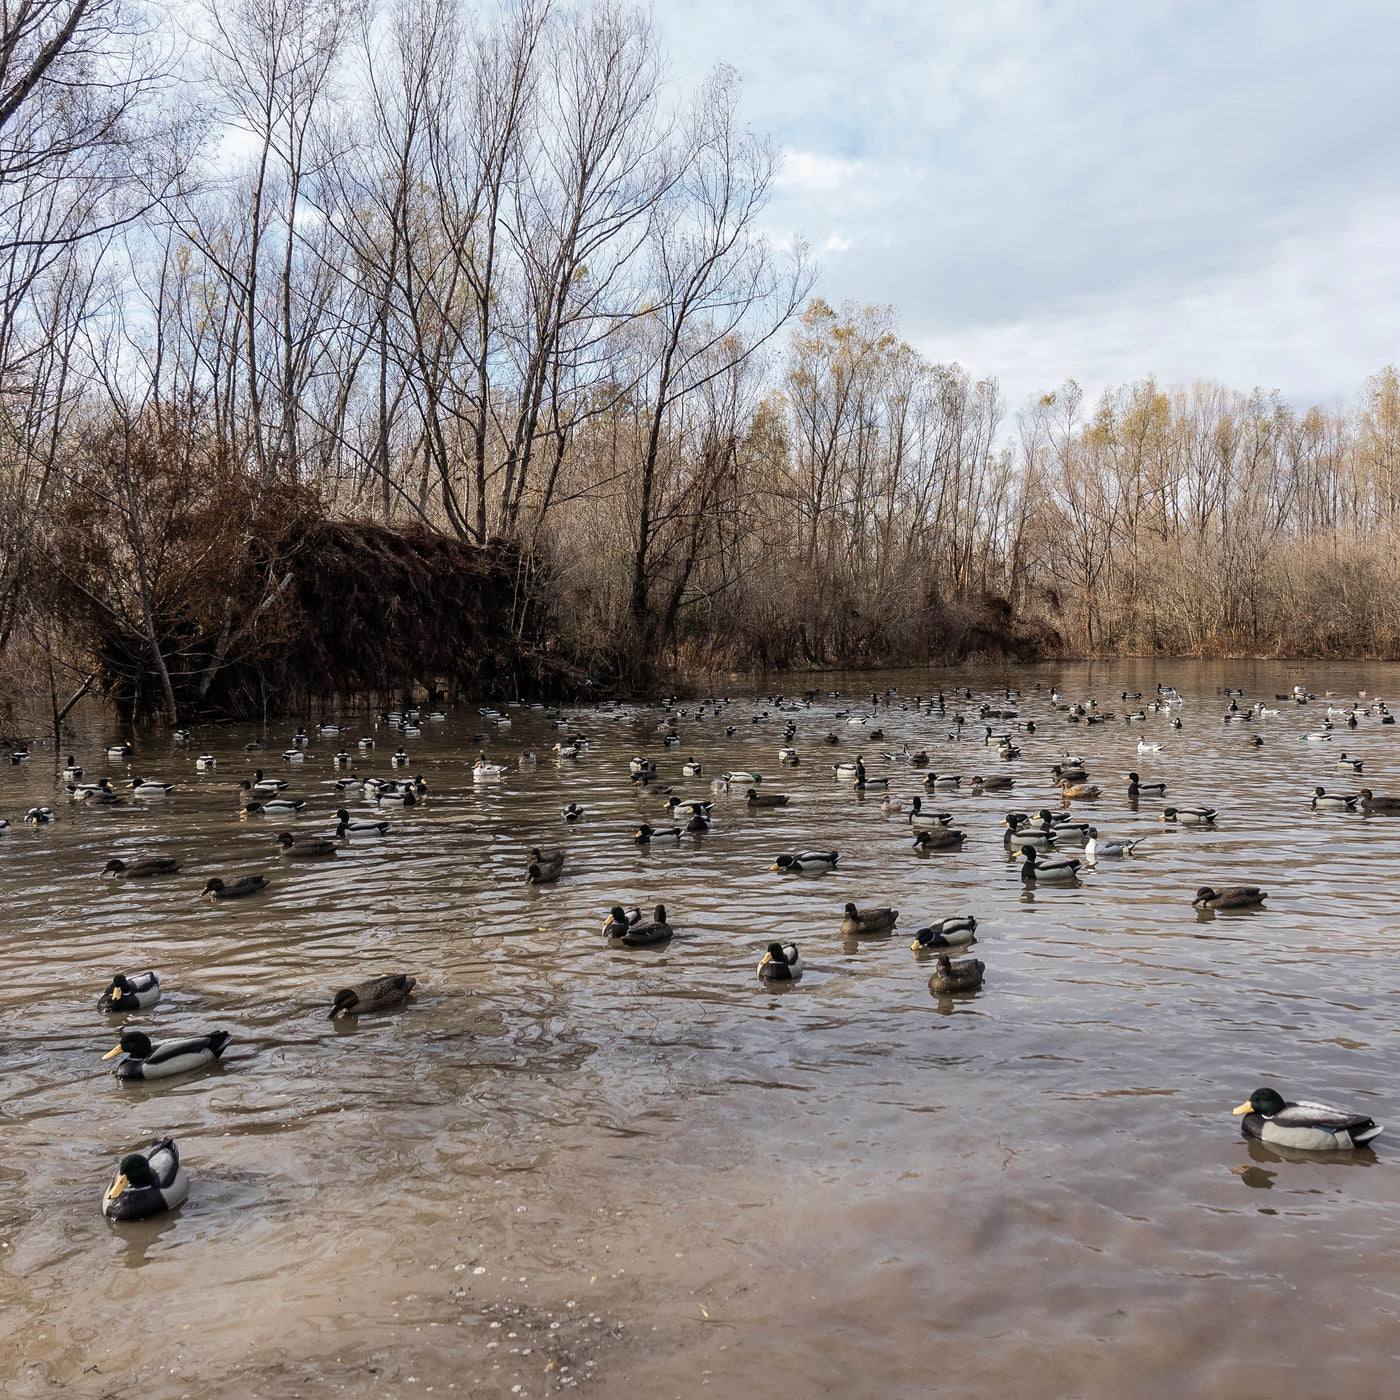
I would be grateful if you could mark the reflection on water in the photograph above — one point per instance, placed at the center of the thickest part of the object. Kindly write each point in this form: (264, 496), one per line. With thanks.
(564, 1162)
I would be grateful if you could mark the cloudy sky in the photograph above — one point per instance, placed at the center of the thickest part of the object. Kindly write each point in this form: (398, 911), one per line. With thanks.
(1096, 189)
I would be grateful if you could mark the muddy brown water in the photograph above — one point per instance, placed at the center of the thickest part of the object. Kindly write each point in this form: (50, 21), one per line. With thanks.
(640, 1172)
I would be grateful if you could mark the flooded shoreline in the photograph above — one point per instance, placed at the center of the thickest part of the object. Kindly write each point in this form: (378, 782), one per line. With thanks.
(675, 1180)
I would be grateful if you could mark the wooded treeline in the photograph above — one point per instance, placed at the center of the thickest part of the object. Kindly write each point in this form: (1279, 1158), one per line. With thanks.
(479, 273)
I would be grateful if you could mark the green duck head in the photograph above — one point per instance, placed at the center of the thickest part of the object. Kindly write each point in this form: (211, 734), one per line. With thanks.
(1263, 1101)
(132, 1170)
(137, 1044)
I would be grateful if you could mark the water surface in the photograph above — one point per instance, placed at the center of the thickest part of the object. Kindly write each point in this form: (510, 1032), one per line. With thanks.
(564, 1165)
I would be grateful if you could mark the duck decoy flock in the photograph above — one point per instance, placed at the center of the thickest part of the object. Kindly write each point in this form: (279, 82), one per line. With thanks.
(1059, 846)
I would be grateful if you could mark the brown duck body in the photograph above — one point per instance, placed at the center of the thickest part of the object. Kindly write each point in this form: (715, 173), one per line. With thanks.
(376, 994)
(544, 868)
(657, 931)
(939, 838)
(1371, 803)
(1230, 897)
(857, 922)
(965, 975)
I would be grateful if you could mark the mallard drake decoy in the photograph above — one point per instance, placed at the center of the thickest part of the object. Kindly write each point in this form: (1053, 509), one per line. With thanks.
(366, 744)
(690, 769)
(620, 920)
(73, 771)
(1190, 816)
(145, 787)
(1349, 765)
(806, 861)
(1137, 788)
(789, 756)
(306, 847)
(242, 888)
(1371, 803)
(743, 779)
(845, 771)
(146, 1061)
(130, 992)
(754, 798)
(965, 975)
(350, 826)
(857, 922)
(405, 796)
(206, 763)
(1020, 832)
(330, 731)
(646, 832)
(544, 869)
(147, 1183)
(1094, 849)
(698, 824)
(864, 780)
(657, 931)
(293, 756)
(1324, 801)
(781, 963)
(572, 813)
(944, 781)
(675, 806)
(946, 933)
(349, 784)
(1230, 897)
(1304, 1126)
(258, 784)
(376, 994)
(992, 784)
(141, 869)
(938, 838)
(274, 806)
(920, 816)
(120, 751)
(1049, 870)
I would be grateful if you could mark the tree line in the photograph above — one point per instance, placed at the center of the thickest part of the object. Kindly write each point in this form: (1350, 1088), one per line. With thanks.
(482, 270)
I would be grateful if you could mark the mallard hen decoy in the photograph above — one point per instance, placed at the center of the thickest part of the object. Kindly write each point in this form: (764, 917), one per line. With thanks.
(965, 975)
(141, 869)
(1304, 1126)
(544, 869)
(147, 1183)
(143, 1060)
(857, 922)
(306, 847)
(939, 838)
(1371, 803)
(377, 994)
(1230, 897)
(242, 888)
(754, 798)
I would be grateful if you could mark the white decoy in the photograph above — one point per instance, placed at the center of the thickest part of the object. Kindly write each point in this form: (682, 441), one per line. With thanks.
(206, 763)
(1094, 849)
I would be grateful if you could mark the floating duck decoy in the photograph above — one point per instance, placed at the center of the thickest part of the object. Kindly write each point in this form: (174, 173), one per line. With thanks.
(1307, 1127)
(804, 862)
(619, 920)
(544, 869)
(38, 816)
(1190, 816)
(781, 963)
(1371, 803)
(657, 931)
(946, 933)
(147, 1183)
(73, 771)
(274, 806)
(242, 888)
(1349, 765)
(306, 847)
(145, 787)
(965, 975)
(350, 826)
(1324, 801)
(1037, 870)
(938, 838)
(690, 769)
(1137, 788)
(141, 869)
(143, 1060)
(120, 751)
(377, 994)
(130, 992)
(206, 763)
(572, 813)
(754, 798)
(857, 922)
(1229, 897)
(1094, 849)
(645, 833)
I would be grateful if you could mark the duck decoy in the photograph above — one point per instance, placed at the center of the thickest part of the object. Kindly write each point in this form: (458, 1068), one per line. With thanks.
(1324, 801)
(544, 869)
(691, 769)
(645, 833)
(359, 827)
(943, 781)
(376, 994)
(857, 922)
(1047, 870)
(620, 920)
(143, 1060)
(306, 847)
(675, 806)
(242, 888)
(754, 798)
(206, 763)
(1230, 897)
(938, 838)
(73, 771)
(396, 796)
(274, 806)
(1190, 816)
(482, 771)
(781, 963)
(920, 817)
(1349, 765)
(130, 992)
(994, 783)
(141, 869)
(120, 751)
(147, 1183)
(806, 861)
(1308, 1127)
(1094, 849)
(657, 931)
(1137, 788)
(145, 787)
(946, 933)
(572, 813)
(1371, 803)
(965, 975)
